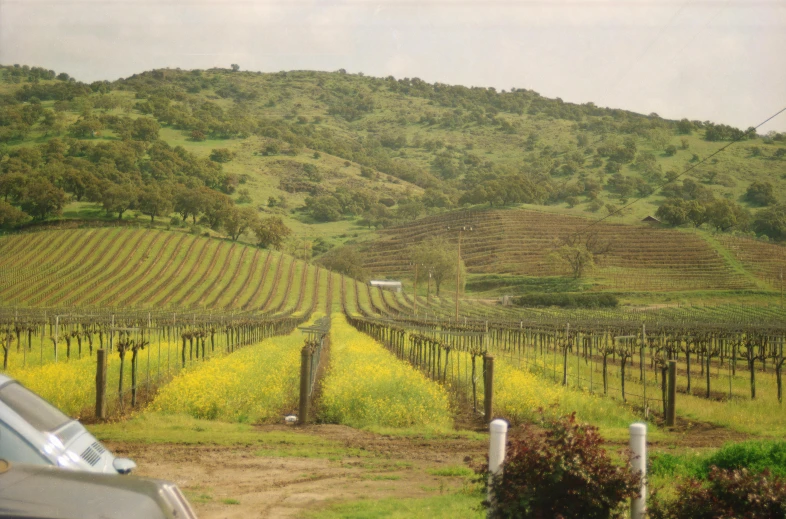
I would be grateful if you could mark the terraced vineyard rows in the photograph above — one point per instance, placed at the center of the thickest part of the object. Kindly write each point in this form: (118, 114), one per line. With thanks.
(767, 261)
(136, 268)
(519, 242)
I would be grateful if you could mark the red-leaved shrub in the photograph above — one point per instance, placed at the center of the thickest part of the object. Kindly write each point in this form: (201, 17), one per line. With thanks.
(561, 472)
(727, 494)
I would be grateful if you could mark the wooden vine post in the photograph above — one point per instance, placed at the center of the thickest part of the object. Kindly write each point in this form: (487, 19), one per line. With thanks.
(671, 414)
(305, 383)
(488, 386)
(101, 384)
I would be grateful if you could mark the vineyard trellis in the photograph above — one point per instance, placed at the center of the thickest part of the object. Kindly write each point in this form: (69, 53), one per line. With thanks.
(150, 346)
(625, 359)
(317, 339)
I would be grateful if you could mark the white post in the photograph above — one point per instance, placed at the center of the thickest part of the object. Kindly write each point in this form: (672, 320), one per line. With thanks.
(498, 430)
(638, 444)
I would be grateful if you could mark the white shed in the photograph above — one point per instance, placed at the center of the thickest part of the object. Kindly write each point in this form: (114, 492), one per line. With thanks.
(393, 286)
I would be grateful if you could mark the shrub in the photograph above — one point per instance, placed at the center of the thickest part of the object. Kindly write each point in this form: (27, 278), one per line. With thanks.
(568, 300)
(726, 494)
(562, 472)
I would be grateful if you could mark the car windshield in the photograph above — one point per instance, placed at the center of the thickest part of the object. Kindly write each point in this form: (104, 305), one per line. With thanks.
(35, 410)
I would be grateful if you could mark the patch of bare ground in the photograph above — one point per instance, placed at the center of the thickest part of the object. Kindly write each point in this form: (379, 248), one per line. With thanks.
(240, 482)
(694, 434)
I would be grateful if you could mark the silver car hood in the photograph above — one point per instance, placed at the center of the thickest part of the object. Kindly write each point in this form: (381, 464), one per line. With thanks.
(56, 493)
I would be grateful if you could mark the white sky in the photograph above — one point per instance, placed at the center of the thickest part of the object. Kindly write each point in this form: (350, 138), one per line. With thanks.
(719, 60)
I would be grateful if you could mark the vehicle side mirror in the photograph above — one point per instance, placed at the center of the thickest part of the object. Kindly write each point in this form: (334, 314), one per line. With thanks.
(123, 465)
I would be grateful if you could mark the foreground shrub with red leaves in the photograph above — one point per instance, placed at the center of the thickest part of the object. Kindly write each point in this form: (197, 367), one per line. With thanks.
(562, 472)
(727, 494)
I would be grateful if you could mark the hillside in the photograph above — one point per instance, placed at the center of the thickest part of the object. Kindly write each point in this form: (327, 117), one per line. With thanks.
(642, 257)
(337, 155)
(139, 268)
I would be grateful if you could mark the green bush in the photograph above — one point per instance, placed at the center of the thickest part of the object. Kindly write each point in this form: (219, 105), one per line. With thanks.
(755, 456)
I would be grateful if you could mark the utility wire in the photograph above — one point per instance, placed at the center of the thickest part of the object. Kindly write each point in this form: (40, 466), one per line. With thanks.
(694, 166)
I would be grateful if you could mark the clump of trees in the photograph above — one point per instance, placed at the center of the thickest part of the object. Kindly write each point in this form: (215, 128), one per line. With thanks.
(771, 222)
(722, 214)
(761, 193)
(693, 203)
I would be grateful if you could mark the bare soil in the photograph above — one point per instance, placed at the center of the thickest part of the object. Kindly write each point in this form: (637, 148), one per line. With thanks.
(240, 482)
(375, 467)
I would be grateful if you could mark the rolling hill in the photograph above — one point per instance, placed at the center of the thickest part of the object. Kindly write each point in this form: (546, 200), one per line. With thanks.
(642, 257)
(372, 152)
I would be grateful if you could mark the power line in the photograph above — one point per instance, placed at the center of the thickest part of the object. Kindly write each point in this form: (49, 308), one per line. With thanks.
(694, 166)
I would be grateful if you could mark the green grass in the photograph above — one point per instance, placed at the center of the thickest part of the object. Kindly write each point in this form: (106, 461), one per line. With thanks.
(448, 506)
(457, 471)
(183, 429)
(755, 456)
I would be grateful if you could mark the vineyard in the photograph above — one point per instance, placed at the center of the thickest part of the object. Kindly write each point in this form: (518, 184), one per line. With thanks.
(175, 323)
(641, 257)
(125, 268)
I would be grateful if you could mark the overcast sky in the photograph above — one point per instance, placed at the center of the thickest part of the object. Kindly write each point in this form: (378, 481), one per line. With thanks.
(719, 60)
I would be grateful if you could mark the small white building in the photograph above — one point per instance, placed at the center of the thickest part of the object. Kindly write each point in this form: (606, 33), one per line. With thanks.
(393, 286)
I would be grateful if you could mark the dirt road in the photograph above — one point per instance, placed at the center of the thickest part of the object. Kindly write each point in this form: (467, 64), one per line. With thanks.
(240, 482)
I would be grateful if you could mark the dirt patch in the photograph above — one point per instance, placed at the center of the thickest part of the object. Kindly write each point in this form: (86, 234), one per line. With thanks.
(242, 482)
(694, 434)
